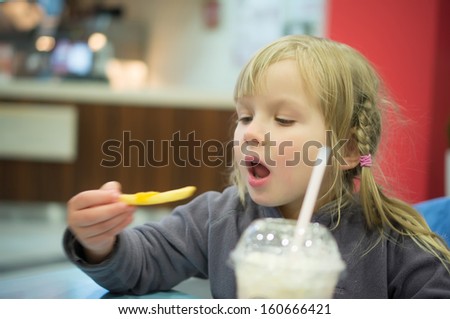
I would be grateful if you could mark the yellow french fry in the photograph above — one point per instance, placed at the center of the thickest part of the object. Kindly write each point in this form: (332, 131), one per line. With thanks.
(153, 198)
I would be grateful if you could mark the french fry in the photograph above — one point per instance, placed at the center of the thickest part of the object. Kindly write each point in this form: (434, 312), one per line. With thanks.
(153, 198)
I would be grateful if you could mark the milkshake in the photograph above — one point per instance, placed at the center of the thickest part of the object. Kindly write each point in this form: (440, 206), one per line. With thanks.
(269, 263)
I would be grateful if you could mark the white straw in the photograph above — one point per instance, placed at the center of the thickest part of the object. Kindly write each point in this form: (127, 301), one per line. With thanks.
(312, 192)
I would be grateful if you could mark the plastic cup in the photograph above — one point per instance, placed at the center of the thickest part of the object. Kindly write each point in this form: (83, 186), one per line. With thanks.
(268, 264)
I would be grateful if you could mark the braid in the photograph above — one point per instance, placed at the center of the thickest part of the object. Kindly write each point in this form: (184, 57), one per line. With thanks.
(382, 212)
(367, 130)
(367, 127)
(367, 124)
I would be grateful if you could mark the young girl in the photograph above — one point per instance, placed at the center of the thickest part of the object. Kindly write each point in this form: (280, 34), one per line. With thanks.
(294, 96)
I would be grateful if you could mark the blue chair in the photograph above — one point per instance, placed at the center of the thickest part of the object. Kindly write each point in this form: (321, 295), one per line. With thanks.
(437, 214)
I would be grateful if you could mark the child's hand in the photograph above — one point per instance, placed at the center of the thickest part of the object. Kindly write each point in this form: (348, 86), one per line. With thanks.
(96, 217)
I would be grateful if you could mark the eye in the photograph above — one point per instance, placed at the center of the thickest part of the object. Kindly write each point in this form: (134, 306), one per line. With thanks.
(244, 119)
(284, 122)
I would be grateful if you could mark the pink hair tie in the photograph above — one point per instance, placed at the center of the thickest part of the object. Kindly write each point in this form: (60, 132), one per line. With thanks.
(365, 160)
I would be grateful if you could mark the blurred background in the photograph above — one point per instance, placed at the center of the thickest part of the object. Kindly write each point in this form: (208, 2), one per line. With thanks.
(95, 90)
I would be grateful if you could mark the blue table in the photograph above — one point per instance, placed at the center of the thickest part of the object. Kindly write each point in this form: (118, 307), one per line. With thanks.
(64, 281)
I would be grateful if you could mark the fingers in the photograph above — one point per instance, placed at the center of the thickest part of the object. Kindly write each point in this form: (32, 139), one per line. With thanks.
(113, 186)
(98, 247)
(99, 214)
(96, 216)
(108, 228)
(108, 193)
(92, 198)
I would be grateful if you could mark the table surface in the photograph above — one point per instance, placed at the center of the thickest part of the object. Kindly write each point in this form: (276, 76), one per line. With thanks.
(65, 281)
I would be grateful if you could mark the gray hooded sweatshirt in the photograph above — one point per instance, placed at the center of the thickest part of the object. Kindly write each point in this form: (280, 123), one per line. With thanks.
(196, 240)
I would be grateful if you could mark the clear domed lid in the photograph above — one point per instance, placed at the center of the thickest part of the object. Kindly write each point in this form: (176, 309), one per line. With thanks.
(276, 236)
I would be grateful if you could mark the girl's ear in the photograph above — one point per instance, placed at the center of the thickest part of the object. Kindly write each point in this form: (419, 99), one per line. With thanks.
(351, 161)
(351, 157)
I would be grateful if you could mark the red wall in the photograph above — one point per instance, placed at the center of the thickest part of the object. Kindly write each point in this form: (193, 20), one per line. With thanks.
(408, 41)
(441, 103)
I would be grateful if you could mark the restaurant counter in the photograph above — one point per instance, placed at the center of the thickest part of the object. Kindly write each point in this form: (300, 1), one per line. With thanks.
(94, 92)
(147, 139)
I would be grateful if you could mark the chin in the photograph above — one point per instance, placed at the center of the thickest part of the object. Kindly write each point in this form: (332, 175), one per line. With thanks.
(263, 200)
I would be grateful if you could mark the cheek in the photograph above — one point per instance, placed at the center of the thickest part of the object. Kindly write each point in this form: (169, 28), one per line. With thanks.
(237, 140)
(294, 177)
(237, 156)
(239, 132)
(288, 154)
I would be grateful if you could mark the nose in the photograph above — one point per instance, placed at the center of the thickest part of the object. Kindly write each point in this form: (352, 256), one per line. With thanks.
(254, 133)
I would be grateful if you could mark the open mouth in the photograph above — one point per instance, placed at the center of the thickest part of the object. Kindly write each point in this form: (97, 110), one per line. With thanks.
(256, 168)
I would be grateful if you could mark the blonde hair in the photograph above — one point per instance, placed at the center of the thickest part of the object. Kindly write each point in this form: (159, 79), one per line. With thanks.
(351, 97)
